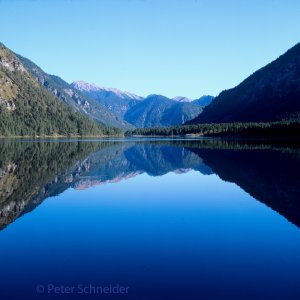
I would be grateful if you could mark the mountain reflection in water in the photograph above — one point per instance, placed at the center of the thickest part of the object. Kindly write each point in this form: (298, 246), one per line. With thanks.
(30, 172)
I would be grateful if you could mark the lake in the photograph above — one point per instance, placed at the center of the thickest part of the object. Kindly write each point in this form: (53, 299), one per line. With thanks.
(149, 219)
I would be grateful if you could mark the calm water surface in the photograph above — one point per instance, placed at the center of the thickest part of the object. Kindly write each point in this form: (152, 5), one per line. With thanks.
(149, 220)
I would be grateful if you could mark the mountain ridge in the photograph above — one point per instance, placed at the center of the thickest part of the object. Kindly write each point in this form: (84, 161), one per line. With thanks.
(72, 97)
(28, 109)
(269, 94)
(114, 100)
(158, 110)
(154, 110)
(87, 87)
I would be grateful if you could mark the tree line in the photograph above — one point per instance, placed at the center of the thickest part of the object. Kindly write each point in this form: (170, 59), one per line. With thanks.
(285, 128)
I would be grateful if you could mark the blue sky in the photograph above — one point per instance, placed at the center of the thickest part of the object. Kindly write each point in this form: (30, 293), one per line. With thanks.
(186, 47)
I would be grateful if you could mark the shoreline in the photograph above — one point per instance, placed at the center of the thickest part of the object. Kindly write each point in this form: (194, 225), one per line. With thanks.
(59, 136)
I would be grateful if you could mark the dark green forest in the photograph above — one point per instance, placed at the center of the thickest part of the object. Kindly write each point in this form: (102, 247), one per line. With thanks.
(283, 129)
(270, 94)
(38, 112)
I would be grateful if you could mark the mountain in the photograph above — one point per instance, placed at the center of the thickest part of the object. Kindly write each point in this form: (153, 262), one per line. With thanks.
(27, 108)
(157, 110)
(182, 99)
(270, 94)
(204, 101)
(72, 97)
(114, 100)
(98, 91)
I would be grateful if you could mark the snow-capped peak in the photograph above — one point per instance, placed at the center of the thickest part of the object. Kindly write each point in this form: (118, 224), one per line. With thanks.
(181, 99)
(89, 87)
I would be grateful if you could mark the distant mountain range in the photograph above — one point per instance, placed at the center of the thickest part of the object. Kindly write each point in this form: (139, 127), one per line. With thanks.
(154, 110)
(182, 99)
(157, 110)
(270, 94)
(114, 100)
